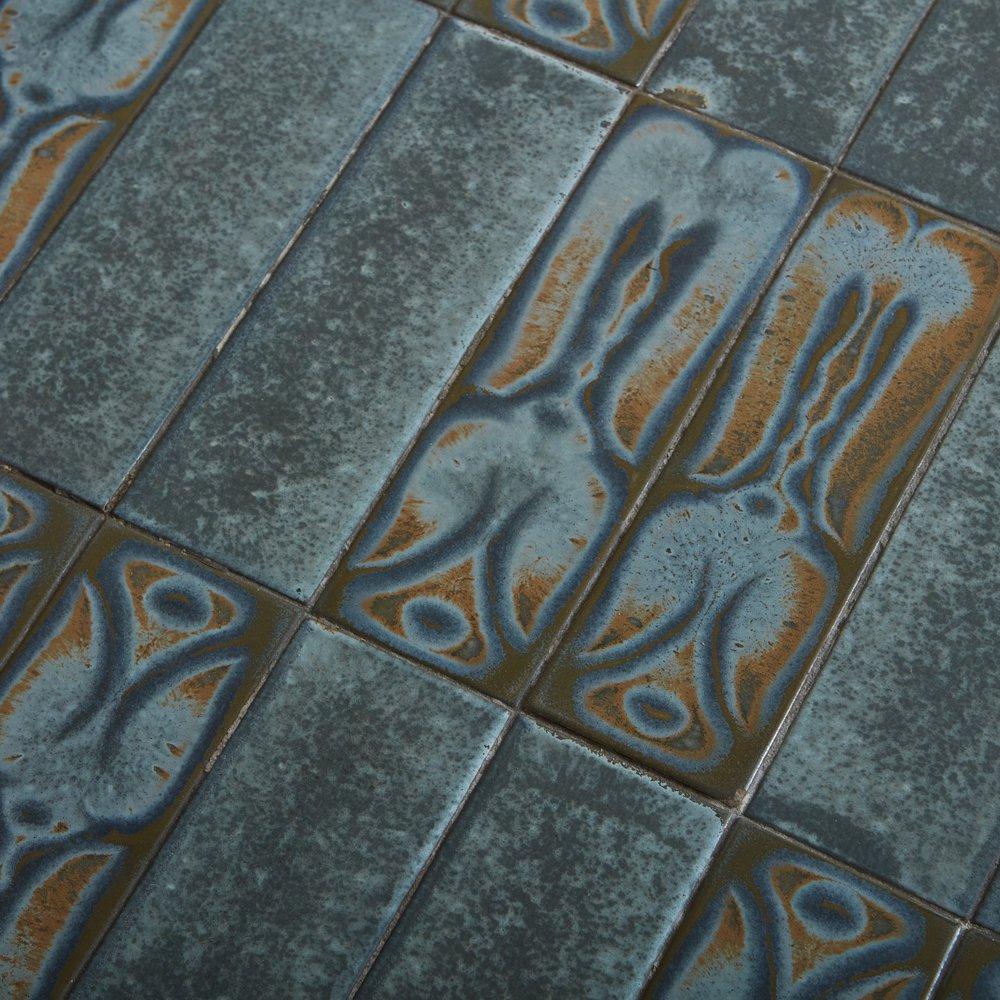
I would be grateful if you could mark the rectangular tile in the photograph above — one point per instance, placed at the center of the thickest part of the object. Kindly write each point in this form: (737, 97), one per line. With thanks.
(477, 553)
(107, 327)
(288, 439)
(74, 77)
(989, 911)
(562, 877)
(974, 972)
(801, 72)
(776, 920)
(691, 647)
(933, 132)
(284, 873)
(108, 710)
(619, 37)
(892, 763)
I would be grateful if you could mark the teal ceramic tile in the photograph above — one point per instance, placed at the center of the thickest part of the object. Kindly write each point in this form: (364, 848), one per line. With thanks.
(285, 870)
(801, 72)
(144, 276)
(112, 703)
(561, 879)
(989, 910)
(933, 131)
(776, 920)
(473, 558)
(72, 78)
(692, 645)
(974, 972)
(294, 431)
(892, 763)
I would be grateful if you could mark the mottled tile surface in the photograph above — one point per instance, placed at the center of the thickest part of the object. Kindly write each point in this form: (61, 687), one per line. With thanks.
(561, 879)
(300, 845)
(893, 761)
(690, 648)
(72, 78)
(619, 37)
(933, 132)
(989, 910)
(289, 438)
(801, 72)
(774, 920)
(146, 273)
(39, 532)
(116, 697)
(974, 972)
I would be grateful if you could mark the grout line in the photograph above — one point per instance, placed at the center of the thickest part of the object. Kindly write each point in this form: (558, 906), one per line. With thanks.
(946, 963)
(682, 22)
(984, 892)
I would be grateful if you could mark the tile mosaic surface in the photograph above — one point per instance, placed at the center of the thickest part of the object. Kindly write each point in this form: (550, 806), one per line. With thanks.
(146, 273)
(294, 431)
(933, 132)
(892, 763)
(562, 878)
(334, 721)
(689, 649)
(974, 972)
(117, 695)
(72, 77)
(517, 485)
(774, 920)
(989, 911)
(801, 72)
(620, 37)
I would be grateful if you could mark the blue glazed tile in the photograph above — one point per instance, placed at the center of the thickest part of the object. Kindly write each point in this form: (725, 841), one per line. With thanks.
(561, 879)
(293, 432)
(143, 277)
(619, 37)
(892, 763)
(473, 558)
(690, 648)
(974, 972)
(775, 920)
(801, 72)
(933, 131)
(114, 700)
(989, 911)
(285, 870)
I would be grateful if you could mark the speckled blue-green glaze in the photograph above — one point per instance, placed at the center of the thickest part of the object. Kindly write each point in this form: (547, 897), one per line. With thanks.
(302, 842)
(561, 879)
(774, 920)
(989, 910)
(801, 72)
(295, 429)
(974, 972)
(892, 764)
(113, 318)
(934, 131)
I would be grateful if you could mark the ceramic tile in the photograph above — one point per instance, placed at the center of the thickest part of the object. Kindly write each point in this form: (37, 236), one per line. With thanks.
(473, 558)
(39, 533)
(989, 911)
(298, 848)
(690, 648)
(72, 78)
(285, 445)
(561, 878)
(774, 920)
(619, 37)
(933, 132)
(146, 273)
(108, 709)
(892, 763)
(801, 72)
(974, 972)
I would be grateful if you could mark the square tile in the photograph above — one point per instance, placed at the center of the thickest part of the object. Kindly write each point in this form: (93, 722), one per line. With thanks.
(108, 711)
(487, 536)
(974, 972)
(689, 650)
(989, 910)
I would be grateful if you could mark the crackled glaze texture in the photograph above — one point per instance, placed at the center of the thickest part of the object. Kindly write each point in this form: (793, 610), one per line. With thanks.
(773, 920)
(933, 132)
(111, 703)
(974, 972)
(892, 763)
(472, 558)
(620, 37)
(72, 77)
(691, 646)
(352, 759)
(801, 72)
(296, 428)
(561, 879)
